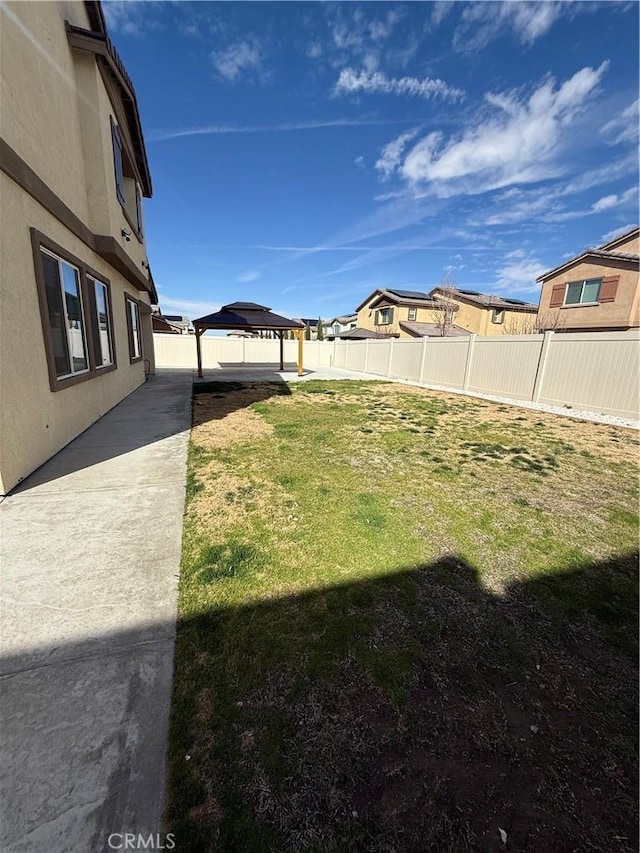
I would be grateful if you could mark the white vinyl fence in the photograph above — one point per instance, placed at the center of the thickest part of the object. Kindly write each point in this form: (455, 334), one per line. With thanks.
(595, 371)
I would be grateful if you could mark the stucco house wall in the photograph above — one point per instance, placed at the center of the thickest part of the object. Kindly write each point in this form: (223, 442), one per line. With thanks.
(57, 179)
(620, 313)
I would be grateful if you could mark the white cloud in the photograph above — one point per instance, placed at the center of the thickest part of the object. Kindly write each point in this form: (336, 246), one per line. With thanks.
(185, 307)
(617, 232)
(359, 162)
(125, 16)
(350, 81)
(519, 145)
(625, 127)
(480, 23)
(239, 60)
(613, 200)
(160, 135)
(520, 277)
(392, 152)
(248, 276)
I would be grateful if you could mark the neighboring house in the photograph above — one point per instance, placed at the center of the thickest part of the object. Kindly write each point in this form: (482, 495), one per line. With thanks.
(75, 284)
(310, 326)
(386, 310)
(180, 323)
(238, 333)
(488, 314)
(162, 325)
(596, 291)
(412, 313)
(337, 325)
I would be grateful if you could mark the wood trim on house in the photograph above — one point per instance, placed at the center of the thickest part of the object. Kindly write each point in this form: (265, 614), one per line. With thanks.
(107, 247)
(41, 241)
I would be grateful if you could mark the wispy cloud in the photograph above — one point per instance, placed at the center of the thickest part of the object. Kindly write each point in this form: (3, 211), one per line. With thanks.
(481, 23)
(614, 200)
(248, 276)
(617, 232)
(625, 127)
(186, 307)
(391, 154)
(160, 135)
(242, 60)
(125, 16)
(520, 277)
(518, 145)
(350, 81)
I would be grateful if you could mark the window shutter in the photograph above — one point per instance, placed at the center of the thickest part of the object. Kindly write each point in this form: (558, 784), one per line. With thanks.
(609, 288)
(557, 295)
(376, 318)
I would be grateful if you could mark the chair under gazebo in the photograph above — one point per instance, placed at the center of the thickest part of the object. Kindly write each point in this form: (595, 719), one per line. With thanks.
(249, 317)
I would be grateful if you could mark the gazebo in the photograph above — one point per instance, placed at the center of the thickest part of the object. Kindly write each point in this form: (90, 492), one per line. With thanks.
(249, 317)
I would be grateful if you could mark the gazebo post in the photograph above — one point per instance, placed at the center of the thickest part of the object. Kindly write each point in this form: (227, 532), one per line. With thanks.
(300, 371)
(199, 333)
(281, 335)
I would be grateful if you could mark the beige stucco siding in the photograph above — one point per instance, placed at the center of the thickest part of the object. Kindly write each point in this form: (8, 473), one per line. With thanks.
(56, 114)
(36, 422)
(39, 97)
(622, 313)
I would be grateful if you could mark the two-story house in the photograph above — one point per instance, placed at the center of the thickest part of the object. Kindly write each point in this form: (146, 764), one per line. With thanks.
(487, 313)
(596, 291)
(443, 311)
(75, 283)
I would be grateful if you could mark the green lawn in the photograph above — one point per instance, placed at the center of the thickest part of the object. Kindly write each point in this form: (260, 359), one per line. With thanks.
(407, 621)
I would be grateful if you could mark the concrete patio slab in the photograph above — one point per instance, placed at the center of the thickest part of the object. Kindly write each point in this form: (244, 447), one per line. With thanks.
(90, 555)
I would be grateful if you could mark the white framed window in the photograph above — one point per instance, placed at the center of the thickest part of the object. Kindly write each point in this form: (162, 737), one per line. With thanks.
(586, 292)
(384, 316)
(497, 315)
(412, 314)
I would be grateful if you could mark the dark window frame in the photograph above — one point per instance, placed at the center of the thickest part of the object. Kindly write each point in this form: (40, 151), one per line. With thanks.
(128, 301)
(123, 170)
(40, 241)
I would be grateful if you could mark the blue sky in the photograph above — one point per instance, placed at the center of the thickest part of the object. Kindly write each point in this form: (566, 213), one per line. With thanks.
(303, 154)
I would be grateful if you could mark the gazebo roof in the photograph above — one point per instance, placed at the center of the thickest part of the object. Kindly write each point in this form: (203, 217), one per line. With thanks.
(243, 316)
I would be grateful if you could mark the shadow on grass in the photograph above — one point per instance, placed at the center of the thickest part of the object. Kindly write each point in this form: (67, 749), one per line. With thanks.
(412, 712)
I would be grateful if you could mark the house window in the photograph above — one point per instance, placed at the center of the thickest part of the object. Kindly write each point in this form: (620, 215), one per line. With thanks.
(103, 337)
(384, 316)
(583, 292)
(118, 162)
(133, 328)
(412, 313)
(75, 308)
(497, 315)
(336, 328)
(66, 315)
(127, 189)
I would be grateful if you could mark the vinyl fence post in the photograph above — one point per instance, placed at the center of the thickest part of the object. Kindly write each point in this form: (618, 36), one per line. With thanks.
(423, 359)
(243, 353)
(390, 357)
(542, 365)
(467, 368)
(366, 355)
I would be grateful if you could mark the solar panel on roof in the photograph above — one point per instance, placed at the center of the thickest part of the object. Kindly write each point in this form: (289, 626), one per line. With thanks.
(513, 301)
(408, 294)
(470, 292)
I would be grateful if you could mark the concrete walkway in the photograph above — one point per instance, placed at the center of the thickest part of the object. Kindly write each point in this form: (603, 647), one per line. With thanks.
(90, 555)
